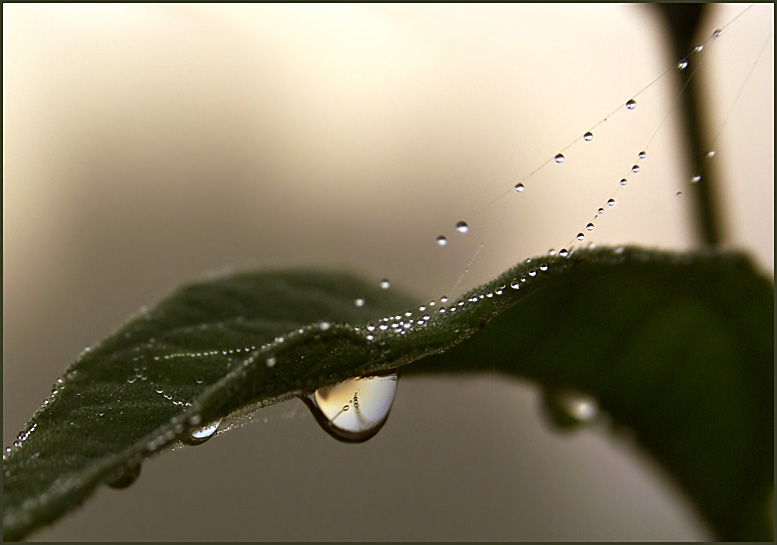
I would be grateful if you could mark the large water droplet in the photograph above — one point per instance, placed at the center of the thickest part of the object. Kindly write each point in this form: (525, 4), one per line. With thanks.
(717, 32)
(359, 302)
(580, 236)
(590, 227)
(588, 136)
(683, 64)
(125, 477)
(442, 241)
(711, 153)
(635, 169)
(199, 435)
(610, 202)
(559, 158)
(462, 227)
(519, 188)
(631, 104)
(642, 154)
(568, 410)
(356, 409)
(698, 48)
(385, 284)
(695, 179)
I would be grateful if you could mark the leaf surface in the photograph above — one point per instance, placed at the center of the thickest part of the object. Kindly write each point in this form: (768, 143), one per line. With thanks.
(676, 347)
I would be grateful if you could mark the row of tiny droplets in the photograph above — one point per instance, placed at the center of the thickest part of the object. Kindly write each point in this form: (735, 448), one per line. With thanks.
(401, 323)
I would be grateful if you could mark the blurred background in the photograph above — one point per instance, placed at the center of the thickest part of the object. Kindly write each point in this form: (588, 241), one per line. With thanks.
(146, 145)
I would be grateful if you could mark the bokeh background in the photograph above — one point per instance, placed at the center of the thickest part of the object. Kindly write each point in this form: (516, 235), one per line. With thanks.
(147, 145)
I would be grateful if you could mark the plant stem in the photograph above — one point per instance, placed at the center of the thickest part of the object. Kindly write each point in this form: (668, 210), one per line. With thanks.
(682, 23)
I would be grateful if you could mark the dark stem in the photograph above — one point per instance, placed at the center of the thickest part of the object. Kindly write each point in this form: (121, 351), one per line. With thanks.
(682, 23)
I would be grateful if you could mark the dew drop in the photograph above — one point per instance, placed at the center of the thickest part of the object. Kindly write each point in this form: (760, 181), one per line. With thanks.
(270, 362)
(444, 299)
(580, 236)
(568, 410)
(385, 284)
(624, 181)
(590, 227)
(610, 202)
(642, 154)
(717, 32)
(519, 188)
(600, 211)
(563, 252)
(515, 284)
(631, 104)
(559, 158)
(442, 241)
(711, 153)
(356, 409)
(544, 267)
(125, 477)
(695, 179)
(698, 48)
(462, 227)
(679, 194)
(199, 435)
(359, 302)
(588, 136)
(683, 64)
(635, 169)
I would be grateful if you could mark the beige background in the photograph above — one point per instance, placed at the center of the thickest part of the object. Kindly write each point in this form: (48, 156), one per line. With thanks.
(146, 145)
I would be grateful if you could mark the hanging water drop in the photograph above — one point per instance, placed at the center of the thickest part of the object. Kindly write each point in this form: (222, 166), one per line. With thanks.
(271, 361)
(580, 236)
(559, 158)
(631, 104)
(359, 302)
(600, 211)
(125, 477)
(635, 169)
(385, 284)
(610, 202)
(642, 154)
(590, 227)
(563, 252)
(698, 48)
(711, 153)
(695, 179)
(198, 436)
(716, 33)
(588, 136)
(683, 64)
(462, 227)
(354, 410)
(442, 241)
(679, 194)
(519, 188)
(624, 181)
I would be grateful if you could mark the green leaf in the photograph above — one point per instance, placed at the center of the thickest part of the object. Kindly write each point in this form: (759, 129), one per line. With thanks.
(677, 347)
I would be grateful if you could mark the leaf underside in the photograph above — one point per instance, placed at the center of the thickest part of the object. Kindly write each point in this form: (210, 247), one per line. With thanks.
(676, 347)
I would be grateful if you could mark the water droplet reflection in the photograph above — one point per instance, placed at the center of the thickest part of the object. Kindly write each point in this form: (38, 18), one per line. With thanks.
(199, 435)
(568, 410)
(356, 409)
